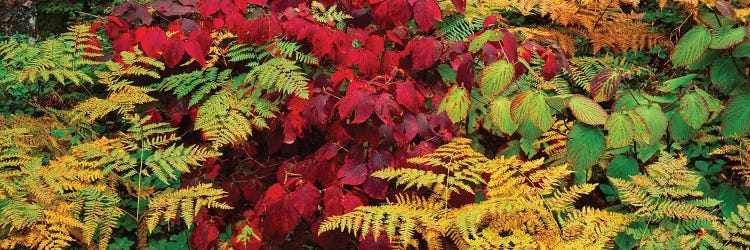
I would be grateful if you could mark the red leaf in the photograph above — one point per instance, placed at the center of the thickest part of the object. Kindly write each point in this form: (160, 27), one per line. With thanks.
(551, 67)
(407, 95)
(391, 13)
(460, 5)
(367, 62)
(332, 201)
(375, 44)
(406, 130)
(426, 12)
(284, 216)
(203, 235)
(359, 99)
(375, 187)
(510, 46)
(174, 50)
(322, 44)
(465, 73)
(352, 173)
(424, 51)
(189, 2)
(370, 243)
(198, 45)
(153, 42)
(326, 152)
(350, 202)
(176, 110)
(293, 122)
(252, 189)
(115, 26)
(389, 61)
(212, 167)
(305, 200)
(123, 43)
(317, 109)
(140, 12)
(279, 6)
(385, 106)
(273, 195)
(257, 2)
(208, 7)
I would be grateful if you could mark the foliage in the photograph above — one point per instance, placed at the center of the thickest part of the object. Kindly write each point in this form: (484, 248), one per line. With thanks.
(522, 207)
(301, 112)
(73, 198)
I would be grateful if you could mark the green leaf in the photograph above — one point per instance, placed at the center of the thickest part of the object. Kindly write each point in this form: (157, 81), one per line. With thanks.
(455, 104)
(500, 115)
(486, 36)
(714, 21)
(725, 74)
(727, 37)
(532, 105)
(735, 121)
(646, 151)
(731, 197)
(673, 84)
(691, 46)
(121, 244)
(558, 102)
(656, 121)
(496, 78)
(585, 145)
(707, 59)
(622, 167)
(512, 148)
(679, 130)
(528, 130)
(620, 130)
(714, 105)
(742, 50)
(587, 111)
(694, 109)
(446, 73)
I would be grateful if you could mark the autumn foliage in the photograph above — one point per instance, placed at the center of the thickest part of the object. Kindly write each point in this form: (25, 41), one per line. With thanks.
(272, 123)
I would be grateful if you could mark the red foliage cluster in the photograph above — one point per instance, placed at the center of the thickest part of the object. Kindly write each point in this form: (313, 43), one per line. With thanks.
(386, 114)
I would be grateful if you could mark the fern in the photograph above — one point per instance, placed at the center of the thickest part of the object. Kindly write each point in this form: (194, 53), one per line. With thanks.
(515, 212)
(230, 115)
(196, 84)
(323, 15)
(456, 28)
(663, 193)
(123, 96)
(742, 157)
(279, 74)
(187, 202)
(73, 198)
(61, 59)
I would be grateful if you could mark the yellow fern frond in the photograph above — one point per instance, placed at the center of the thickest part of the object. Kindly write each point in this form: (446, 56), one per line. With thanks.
(187, 202)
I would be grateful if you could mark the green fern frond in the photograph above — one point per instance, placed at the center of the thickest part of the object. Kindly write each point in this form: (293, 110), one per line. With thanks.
(176, 159)
(456, 28)
(229, 116)
(281, 75)
(196, 84)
